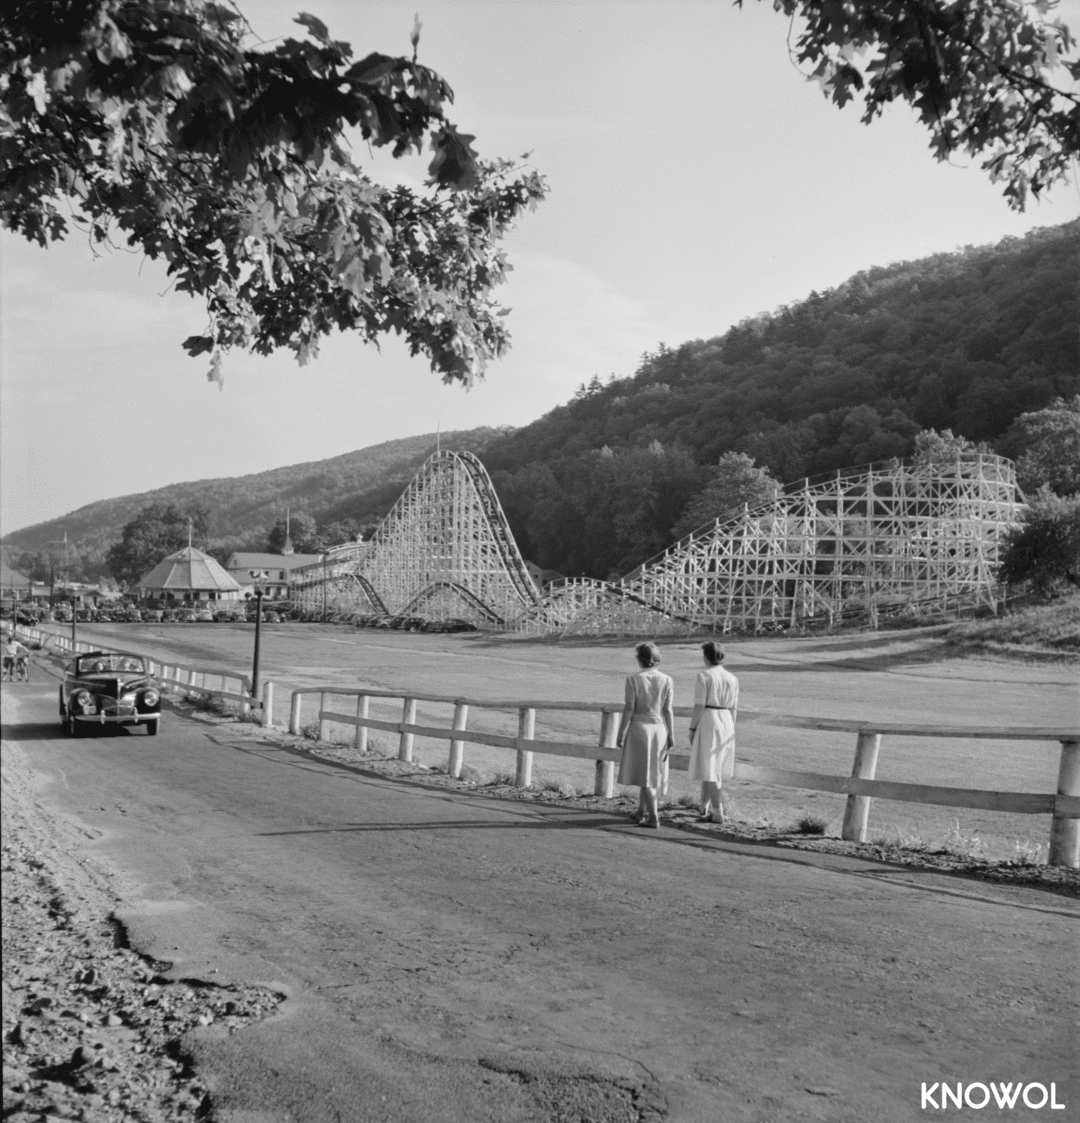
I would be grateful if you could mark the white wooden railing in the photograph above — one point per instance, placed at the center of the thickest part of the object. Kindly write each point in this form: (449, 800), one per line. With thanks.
(860, 787)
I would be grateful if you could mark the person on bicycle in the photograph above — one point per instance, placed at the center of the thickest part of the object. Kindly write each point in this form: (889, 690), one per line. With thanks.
(15, 658)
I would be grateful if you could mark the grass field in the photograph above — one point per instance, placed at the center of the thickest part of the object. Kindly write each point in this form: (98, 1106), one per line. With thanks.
(901, 676)
(1051, 628)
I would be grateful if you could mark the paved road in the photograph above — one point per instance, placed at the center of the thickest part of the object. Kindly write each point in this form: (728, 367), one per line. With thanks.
(449, 957)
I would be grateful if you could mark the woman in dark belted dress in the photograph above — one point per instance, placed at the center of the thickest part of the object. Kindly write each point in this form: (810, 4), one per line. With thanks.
(646, 731)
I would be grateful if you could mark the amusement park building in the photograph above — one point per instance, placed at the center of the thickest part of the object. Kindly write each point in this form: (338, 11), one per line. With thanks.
(189, 575)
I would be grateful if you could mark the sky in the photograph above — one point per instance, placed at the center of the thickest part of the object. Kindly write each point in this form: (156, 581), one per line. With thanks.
(696, 179)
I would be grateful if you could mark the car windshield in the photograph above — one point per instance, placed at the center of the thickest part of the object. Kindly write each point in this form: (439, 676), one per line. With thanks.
(100, 663)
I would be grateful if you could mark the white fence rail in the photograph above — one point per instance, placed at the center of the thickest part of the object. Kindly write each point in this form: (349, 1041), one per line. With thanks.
(860, 787)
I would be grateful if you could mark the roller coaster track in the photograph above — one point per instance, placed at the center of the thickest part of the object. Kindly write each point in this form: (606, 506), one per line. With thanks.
(856, 544)
(445, 550)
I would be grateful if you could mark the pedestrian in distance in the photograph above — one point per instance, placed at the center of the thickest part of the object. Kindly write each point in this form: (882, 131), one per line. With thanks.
(646, 731)
(712, 731)
(16, 660)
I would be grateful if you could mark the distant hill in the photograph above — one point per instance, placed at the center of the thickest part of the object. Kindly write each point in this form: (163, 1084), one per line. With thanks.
(964, 340)
(362, 485)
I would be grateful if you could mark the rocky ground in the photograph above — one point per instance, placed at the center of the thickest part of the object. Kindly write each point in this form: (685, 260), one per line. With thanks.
(91, 1030)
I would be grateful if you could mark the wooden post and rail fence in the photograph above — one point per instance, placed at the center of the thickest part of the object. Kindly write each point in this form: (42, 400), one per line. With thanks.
(175, 677)
(860, 787)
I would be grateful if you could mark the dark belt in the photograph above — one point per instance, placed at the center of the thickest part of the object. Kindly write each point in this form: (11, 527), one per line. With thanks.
(719, 707)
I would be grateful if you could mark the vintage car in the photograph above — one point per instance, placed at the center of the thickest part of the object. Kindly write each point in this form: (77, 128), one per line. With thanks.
(108, 688)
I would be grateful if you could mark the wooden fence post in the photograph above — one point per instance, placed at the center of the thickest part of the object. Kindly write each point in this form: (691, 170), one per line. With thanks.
(605, 769)
(457, 748)
(294, 712)
(1065, 833)
(858, 806)
(360, 741)
(268, 705)
(322, 723)
(526, 732)
(408, 717)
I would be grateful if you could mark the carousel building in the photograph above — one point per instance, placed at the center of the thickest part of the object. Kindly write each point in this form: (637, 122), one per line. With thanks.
(189, 575)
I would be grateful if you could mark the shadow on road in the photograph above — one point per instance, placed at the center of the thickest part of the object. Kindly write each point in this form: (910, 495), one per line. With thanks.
(32, 731)
(52, 731)
(517, 823)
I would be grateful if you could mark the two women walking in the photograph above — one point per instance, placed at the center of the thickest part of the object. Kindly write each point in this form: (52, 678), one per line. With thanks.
(647, 731)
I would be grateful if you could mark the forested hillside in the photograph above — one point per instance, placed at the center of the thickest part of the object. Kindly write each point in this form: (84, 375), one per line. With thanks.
(360, 486)
(965, 341)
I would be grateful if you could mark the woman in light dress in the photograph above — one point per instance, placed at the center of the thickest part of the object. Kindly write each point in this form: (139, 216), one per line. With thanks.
(712, 731)
(646, 731)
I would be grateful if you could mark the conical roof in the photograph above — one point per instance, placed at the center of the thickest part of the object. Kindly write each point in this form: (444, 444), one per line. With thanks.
(189, 569)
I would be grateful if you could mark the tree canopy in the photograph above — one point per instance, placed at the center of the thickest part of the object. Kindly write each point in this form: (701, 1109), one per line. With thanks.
(1045, 548)
(154, 533)
(1046, 446)
(164, 122)
(988, 78)
(737, 482)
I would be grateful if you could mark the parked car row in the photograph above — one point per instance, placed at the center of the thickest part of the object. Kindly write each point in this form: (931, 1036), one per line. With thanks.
(241, 613)
(403, 623)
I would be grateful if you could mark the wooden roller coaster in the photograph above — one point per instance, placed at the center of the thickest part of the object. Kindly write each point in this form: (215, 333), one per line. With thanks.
(886, 539)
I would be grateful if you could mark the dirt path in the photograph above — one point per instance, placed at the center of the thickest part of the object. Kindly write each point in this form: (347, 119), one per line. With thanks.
(448, 957)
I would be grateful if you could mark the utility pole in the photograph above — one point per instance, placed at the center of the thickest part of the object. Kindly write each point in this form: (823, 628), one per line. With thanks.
(258, 637)
(67, 584)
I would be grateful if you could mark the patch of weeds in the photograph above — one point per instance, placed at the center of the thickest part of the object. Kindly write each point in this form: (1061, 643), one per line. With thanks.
(502, 780)
(1030, 853)
(957, 842)
(250, 717)
(559, 787)
(810, 824)
(210, 704)
(688, 801)
(312, 731)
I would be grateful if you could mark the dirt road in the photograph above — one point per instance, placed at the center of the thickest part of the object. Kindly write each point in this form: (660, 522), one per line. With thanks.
(450, 957)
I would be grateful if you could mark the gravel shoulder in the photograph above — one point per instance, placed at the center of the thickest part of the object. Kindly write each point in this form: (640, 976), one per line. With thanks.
(91, 1030)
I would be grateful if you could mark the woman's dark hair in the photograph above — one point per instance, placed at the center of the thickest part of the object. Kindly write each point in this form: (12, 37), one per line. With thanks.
(648, 654)
(713, 652)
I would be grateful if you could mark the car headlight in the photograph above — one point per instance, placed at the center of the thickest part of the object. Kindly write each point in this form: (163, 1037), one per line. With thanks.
(150, 697)
(84, 700)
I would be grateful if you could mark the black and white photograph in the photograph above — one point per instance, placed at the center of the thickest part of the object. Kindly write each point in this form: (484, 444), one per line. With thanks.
(540, 560)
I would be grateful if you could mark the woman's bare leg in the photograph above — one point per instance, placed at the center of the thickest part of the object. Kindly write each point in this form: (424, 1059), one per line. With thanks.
(710, 797)
(648, 799)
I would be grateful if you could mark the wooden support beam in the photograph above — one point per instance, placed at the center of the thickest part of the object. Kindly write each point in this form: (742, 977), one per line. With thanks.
(457, 746)
(408, 717)
(526, 732)
(863, 768)
(1065, 832)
